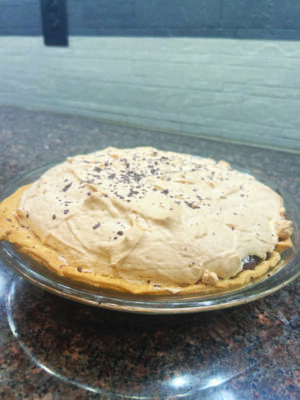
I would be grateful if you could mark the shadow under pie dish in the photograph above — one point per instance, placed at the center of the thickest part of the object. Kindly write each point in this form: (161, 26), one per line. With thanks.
(145, 221)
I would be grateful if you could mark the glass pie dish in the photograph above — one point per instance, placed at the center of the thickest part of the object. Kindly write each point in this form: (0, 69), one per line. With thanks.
(287, 270)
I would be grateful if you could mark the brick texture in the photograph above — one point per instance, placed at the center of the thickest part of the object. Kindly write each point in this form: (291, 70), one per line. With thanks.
(239, 90)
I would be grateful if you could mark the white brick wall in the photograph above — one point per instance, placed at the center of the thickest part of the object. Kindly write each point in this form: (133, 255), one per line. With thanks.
(240, 90)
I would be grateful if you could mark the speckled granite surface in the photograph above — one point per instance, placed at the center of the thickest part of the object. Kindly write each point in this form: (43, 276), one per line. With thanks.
(52, 348)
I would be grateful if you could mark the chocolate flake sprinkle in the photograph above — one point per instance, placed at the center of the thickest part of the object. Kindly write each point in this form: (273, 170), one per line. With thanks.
(65, 188)
(53, 216)
(97, 225)
(66, 211)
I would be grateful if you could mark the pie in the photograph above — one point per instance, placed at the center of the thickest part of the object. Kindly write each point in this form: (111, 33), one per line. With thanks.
(143, 220)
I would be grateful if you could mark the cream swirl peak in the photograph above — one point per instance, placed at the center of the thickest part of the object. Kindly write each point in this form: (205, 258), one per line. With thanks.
(153, 217)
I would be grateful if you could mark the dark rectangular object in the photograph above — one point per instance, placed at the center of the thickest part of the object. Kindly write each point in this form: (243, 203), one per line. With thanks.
(54, 22)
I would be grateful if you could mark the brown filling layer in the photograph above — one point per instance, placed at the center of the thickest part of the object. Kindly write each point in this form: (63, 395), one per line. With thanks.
(250, 262)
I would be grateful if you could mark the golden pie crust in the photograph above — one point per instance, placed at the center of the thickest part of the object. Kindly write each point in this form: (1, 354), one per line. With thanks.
(29, 244)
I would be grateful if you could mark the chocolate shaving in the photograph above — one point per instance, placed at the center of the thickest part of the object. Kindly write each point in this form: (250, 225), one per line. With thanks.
(65, 188)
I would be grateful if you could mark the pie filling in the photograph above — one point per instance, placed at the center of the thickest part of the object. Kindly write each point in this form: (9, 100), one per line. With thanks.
(250, 262)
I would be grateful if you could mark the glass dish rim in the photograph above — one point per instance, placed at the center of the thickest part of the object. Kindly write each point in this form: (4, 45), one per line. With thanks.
(153, 304)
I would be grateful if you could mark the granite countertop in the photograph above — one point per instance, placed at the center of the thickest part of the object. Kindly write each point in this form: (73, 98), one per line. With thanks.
(53, 348)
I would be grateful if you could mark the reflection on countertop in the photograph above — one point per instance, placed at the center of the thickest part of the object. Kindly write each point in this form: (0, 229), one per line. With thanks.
(52, 348)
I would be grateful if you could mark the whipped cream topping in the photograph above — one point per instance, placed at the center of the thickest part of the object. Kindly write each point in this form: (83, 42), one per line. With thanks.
(149, 216)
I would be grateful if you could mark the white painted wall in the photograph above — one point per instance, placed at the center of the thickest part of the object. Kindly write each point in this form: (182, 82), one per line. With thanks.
(240, 90)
